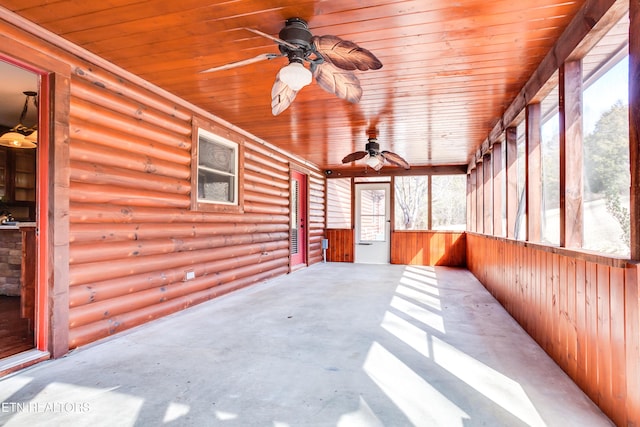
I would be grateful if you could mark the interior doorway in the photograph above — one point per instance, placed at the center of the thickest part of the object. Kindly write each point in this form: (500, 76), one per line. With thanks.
(19, 119)
(373, 223)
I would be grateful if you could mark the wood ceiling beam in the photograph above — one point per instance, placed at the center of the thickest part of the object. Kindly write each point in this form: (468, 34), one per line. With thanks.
(361, 171)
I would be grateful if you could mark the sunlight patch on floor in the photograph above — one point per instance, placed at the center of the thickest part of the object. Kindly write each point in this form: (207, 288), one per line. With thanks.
(429, 318)
(11, 385)
(421, 297)
(175, 411)
(363, 416)
(411, 335)
(420, 402)
(493, 385)
(72, 403)
(420, 280)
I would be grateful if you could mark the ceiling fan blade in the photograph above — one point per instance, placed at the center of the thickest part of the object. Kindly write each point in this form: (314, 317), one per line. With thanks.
(258, 58)
(345, 54)
(354, 156)
(395, 159)
(275, 39)
(344, 84)
(281, 96)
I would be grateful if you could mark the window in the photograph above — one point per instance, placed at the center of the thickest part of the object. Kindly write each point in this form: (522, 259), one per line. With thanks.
(550, 150)
(449, 202)
(520, 232)
(606, 163)
(411, 203)
(372, 215)
(216, 172)
(339, 203)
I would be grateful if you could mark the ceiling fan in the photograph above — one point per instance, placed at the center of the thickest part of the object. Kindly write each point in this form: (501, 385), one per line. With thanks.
(375, 158)
(332, 61)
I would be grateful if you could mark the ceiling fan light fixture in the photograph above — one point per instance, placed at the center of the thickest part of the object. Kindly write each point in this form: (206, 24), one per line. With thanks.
(32, 137)
(21, 136)
(15, 140)
(295, 75)
(374, 162)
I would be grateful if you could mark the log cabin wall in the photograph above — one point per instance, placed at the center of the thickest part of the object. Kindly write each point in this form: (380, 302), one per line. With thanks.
(132, 235)
(581, 309)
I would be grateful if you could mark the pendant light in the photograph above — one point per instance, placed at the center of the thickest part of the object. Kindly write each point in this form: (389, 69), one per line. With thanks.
(21, 136)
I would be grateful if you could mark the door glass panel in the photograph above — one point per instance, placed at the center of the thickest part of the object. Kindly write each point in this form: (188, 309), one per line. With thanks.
(372, 215)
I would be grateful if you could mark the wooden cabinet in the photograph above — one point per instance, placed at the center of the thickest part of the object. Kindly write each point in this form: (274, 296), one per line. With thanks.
(18, 182)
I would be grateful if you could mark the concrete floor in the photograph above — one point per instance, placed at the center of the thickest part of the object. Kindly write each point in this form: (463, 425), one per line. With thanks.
(330, 345)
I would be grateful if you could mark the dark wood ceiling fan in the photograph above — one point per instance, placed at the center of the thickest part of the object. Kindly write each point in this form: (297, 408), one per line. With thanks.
(332, 62)
(375, 158)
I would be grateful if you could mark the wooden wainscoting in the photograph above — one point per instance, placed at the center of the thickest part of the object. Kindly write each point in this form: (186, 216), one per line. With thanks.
(407, 247)
(581, 308)
(340, 245)
(428, 248)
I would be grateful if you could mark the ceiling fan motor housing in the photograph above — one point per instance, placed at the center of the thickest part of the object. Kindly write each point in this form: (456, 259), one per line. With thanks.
(372, 147)
(296, 31)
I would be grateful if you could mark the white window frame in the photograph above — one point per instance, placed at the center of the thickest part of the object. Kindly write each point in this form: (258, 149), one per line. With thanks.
(210, 138)
(204, 133)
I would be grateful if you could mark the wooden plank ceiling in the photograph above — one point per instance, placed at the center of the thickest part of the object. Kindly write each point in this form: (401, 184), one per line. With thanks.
(449, 71)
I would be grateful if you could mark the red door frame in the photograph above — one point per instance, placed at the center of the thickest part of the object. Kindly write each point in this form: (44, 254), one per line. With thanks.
(299, 219)
(42, 205)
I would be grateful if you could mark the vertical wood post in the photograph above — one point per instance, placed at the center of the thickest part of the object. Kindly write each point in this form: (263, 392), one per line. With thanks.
(511, 139)
(54, 203)
(533, 174)
(571, 187)
(488, 187)
(469, 216)
(472, 205)
(634, 124)
(479, 198)
(498, 196)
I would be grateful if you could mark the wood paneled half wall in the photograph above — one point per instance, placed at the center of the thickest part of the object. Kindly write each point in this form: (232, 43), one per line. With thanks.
(582, 309)
(407, 247)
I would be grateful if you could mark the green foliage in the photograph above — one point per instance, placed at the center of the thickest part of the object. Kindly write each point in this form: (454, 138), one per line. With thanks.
(606, 163)
(621, 214)
(606, 158)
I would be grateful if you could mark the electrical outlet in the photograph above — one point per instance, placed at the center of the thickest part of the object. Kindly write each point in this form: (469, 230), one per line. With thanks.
(189, 275)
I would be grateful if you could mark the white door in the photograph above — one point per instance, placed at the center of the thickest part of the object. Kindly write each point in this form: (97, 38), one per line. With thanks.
(373, 225)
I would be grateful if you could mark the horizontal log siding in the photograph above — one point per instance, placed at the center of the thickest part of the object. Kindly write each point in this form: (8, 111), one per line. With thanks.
(132, 234)
(582, 309)
(428, 248)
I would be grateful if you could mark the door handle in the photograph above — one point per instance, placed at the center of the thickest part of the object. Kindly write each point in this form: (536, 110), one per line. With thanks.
(365, 244)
